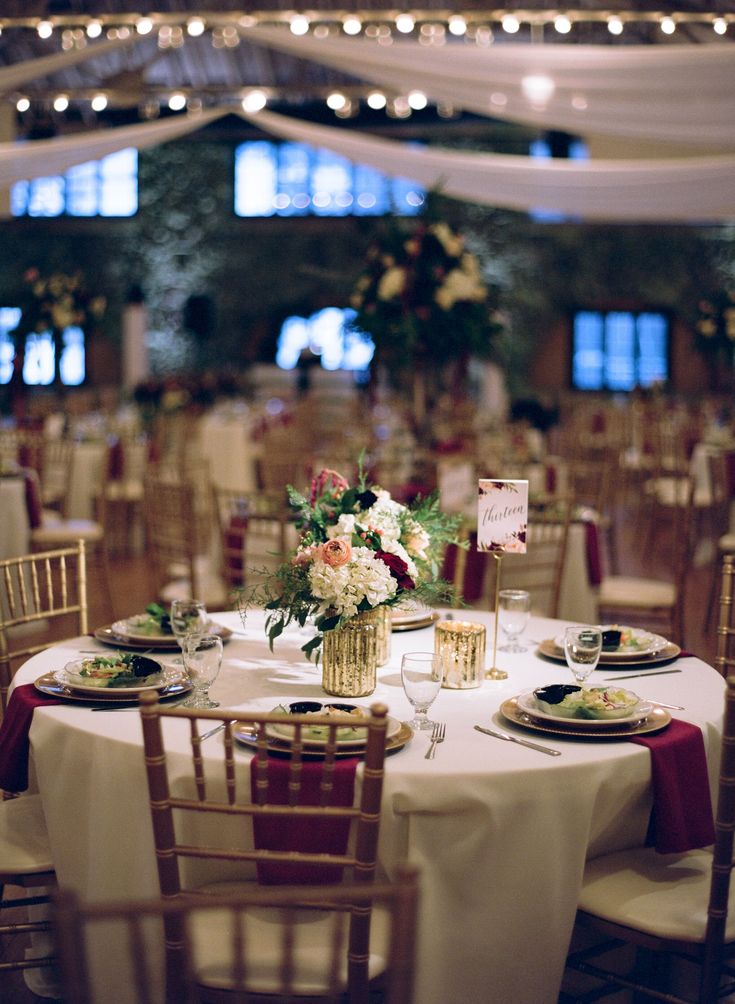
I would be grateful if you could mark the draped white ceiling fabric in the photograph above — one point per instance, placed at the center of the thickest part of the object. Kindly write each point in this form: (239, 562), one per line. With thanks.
(685, 189)
(44, 157)
(668, 93)
(31, 69)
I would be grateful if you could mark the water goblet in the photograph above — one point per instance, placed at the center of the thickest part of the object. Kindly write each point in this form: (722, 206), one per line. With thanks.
(422, 674)
(188, 622)
(203, 658)
(514, 611)
(582, 647)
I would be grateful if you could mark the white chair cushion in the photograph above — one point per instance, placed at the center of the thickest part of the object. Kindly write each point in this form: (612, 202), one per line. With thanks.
(212, 940)
(24, 846)
(661, 894)
(67, 531)
(628, 591)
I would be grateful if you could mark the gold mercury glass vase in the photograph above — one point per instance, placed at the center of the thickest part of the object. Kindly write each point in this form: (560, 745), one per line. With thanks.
(385, 626)
(350, 656)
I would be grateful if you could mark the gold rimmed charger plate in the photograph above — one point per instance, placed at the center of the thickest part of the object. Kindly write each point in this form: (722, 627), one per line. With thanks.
(109, 637)
(48, 684)
(656, 720)
(668, 653)
(414, 625)
(281, 747)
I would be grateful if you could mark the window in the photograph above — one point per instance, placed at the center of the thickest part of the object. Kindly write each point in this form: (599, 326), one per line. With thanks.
(328, 335)
(619, 350)
(107, 187)
(293, 179)
(39, 359)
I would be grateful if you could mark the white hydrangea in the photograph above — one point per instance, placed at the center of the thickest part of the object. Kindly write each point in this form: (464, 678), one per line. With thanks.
(384, 516)
(342, 589)
(344, 527)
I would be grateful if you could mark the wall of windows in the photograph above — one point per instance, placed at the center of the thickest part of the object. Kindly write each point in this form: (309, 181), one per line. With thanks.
(107, 187)
(293, 179)
(619, 350)
(39, 360)
(328, 335)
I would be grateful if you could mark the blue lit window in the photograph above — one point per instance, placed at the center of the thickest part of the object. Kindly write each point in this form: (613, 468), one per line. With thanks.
(107, 187)
(327, 334)
(9, 321)
(619, 350)
(293, 179)
(39, 358)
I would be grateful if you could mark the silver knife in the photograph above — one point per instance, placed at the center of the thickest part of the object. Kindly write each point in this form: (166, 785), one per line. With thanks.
(633, 676)
(521, 742)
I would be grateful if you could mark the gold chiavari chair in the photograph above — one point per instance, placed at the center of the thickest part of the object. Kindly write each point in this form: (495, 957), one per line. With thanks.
(678, 906)
(42, 592)
(725, 658)
(256, 531)
(131, 923)
(199, 816)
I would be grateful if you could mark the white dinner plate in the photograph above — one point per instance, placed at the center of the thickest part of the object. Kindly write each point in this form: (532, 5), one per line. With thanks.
(527, 703)
(131, 628)
(284, 733)
(69, 677)
(647, 644)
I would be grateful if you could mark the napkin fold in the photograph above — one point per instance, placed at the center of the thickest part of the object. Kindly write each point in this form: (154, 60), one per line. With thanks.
(314, 836)
(14, 744)
(682, 817)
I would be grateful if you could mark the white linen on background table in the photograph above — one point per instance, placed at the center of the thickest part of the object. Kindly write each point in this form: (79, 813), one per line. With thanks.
(500, 832)
(15, 529)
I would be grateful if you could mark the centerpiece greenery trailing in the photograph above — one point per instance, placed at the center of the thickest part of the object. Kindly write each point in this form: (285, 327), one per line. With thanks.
(359, 549)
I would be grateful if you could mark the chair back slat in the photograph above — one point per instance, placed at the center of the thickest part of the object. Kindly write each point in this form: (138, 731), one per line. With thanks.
(45, 595)
(725, 657)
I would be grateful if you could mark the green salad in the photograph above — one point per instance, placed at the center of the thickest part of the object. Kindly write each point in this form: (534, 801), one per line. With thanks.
(121, 669)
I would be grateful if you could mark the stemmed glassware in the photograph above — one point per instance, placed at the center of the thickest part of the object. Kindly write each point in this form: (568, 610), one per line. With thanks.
(514, 611)
(582, 648)
(422, 674)
(203, 658)
(188, 622)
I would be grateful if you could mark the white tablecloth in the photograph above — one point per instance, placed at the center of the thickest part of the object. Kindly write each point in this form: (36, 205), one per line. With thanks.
(14, 525)
(87, 479)
(500, 832)
(227, 443)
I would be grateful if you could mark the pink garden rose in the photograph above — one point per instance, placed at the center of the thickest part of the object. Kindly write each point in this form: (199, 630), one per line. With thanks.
(325, 479)
(335, 553)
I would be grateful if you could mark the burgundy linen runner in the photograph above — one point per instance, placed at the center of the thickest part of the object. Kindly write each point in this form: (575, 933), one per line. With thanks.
(14, 730)
(682, 817)
(328, 836)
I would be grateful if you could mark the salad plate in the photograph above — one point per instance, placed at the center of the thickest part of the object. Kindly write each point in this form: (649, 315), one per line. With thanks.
(639, 710)
(350, 734)
(632, 643)
(114, 634)
(125, 673)
(52, 686)
(553, 648)
(657, 720)
(410, 616)
(281, 747)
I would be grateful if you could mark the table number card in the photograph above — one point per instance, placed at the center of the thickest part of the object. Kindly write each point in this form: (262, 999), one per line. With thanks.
(502, 516)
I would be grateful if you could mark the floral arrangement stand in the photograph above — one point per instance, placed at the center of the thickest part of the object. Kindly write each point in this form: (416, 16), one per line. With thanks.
(360, 553)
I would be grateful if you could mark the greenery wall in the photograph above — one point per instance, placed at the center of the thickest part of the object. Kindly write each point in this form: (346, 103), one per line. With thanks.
(185, 241)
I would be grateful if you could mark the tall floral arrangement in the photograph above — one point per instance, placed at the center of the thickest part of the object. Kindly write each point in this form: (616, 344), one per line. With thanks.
(423, 300)
(359, 549)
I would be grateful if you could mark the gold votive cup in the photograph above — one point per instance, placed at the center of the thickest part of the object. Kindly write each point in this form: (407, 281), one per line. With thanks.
(462, 646)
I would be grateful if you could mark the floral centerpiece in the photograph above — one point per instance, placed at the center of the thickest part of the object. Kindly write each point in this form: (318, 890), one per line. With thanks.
(359, 551)
(423, 300)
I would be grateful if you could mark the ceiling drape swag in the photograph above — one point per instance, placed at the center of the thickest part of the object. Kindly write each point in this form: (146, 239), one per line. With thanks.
(31, 69)
(44, 157)
(668, 93)
(682, 189)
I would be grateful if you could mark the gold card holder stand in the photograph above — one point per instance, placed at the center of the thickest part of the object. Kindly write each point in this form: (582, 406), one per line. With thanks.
(494, 673)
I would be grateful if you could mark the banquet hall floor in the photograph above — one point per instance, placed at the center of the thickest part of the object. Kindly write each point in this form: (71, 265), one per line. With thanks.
(131, 590)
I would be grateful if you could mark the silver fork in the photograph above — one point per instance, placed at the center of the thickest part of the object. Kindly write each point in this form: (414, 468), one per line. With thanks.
(437, 736)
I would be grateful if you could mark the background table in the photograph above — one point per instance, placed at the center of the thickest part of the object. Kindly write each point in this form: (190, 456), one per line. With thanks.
(499, 831)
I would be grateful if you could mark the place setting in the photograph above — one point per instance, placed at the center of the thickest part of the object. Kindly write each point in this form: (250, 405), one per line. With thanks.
(152, 629)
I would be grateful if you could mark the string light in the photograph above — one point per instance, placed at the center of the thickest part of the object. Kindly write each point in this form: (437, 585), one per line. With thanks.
(615, 25)
(562, 24)
(299, 24)
(23, 104)
(99, 102)
(405, 23)
(352, 26)
(720, 25)
(144, 25)
(195, 27)
(45, 29)
(510, 24)
(94, 29)
(61, 103)
(668, 25)
(177, 101)
(457, 25)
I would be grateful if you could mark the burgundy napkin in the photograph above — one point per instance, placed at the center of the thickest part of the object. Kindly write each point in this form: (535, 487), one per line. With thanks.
(115, 460)
(682, 816)
(234, 543)
(594, 558)
(550, 473)
(33, 497)
(311, 836)
(14, 746)
(474, 569)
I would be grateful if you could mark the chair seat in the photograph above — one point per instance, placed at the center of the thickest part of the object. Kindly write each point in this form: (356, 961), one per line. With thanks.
(66, 531)
(664, 895)
(631, 592)
(212, 940)
(24, 846)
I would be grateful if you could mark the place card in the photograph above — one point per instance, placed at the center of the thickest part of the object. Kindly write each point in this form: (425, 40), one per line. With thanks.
(502, 516)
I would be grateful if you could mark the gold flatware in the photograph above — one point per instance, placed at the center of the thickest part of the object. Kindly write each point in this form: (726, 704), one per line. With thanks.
(521, 742)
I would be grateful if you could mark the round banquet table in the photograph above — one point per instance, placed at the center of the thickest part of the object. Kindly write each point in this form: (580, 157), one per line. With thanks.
(500, 832)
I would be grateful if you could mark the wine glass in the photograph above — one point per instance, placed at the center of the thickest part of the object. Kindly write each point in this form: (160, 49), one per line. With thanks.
(188, 622)
(582, 647)
(514, 611)
(203, 658)
(422, 674)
